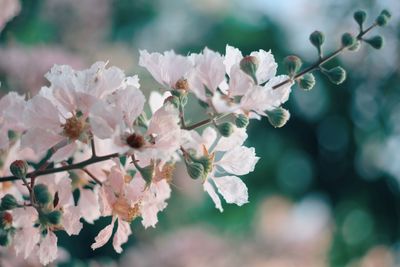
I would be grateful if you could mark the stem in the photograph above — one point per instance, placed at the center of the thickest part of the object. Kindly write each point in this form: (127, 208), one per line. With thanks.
(93, 146)
(182, 116)
(92, 176)
(75, 166)
(323, 60)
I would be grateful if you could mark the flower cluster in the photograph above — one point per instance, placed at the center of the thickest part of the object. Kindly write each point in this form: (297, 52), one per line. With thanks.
(84, 148)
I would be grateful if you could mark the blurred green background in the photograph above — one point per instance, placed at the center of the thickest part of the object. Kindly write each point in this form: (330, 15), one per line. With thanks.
(326, 190)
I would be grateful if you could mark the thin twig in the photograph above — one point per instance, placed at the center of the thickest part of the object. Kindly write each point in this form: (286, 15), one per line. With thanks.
(75, 166)
(92, 176)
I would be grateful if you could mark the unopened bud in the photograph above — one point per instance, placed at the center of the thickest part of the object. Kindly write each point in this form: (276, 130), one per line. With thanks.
(348, 39)
(307, 82)
(226, 129)
(195, 169)
(278, 117)
(8, 202)
(386, 13)
(5, 238)
(336, 75)
(249, 66)
(19, 168)
(376, 42)
(292, 64)
(242, 121)
(359, 17)
(42, 194)
(317, 38)
(54, 217)
(382, 20)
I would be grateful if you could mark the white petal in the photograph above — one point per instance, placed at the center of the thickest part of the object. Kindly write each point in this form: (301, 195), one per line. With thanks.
(266, 65)
(25, 245)
(104, 119)
(156, 100)
(40, 140)
(64, 152)
(121, 235)
(232, 57)
(240, 160)
(232, 189)
(237, 138)
(71, 220)
(41, 113)
(89, 205)
(211, 192)
(104, 235)
(48, 248)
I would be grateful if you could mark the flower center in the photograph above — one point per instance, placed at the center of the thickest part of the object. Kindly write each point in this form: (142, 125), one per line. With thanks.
(73, 128)
(135, 141)
(182, 84)
(125, 211)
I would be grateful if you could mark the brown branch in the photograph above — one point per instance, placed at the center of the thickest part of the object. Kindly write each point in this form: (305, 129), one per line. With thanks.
(75, 166)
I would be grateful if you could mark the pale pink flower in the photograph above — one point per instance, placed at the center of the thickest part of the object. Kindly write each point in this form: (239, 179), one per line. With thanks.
(229, 158)
(168, 68)
(208, 73)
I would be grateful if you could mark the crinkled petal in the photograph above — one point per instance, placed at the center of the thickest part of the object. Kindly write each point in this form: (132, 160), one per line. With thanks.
(232, 189)
(25, 245)
(266, 65)
(104, 235)
(211, 192)
(48, 249)
(240, 160)
(71, 220)
(121, 235)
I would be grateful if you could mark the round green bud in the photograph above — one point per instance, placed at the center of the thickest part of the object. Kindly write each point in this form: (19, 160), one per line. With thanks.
(382, 20)
(226, 129)
(205, 161)
(386, 13)
(8, 202)
(5, 238)
(307, 82)
(317, 38)
(42, 194)
(356, 46)
(195, 169)
(376, 42)
(19, 168)
(278, 117)
(242, 121)
(348, 39)
(360, 17)
(249, 65)
(336, 75)
(54, 217)
(292, 64)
